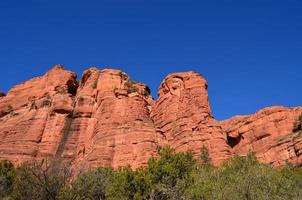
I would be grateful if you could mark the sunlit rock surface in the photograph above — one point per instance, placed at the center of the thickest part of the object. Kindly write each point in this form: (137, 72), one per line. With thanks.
(106, 119)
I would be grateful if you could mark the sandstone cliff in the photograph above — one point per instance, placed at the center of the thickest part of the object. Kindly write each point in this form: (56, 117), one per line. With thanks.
(182, 113)
(107, 119)
(271, 133)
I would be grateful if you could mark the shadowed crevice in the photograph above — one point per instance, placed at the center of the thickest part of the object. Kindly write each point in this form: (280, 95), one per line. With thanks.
(233, 141)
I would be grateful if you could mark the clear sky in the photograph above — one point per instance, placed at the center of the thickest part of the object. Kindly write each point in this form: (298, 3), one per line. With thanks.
(250, 51)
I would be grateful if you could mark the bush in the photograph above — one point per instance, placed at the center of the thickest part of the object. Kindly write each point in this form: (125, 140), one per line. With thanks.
(300, 118)
(171, 166)
(90, 185)
(39, 183)
(132, 89)
(121, 185)
(298, 125)
(162, 179)
(147, 91)
(246, 178)
(95, 83)
(7, 175)
(130, 85)
(123, 75)
(170, 176)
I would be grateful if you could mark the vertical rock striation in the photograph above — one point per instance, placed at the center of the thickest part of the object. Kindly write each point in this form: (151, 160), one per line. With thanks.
(107, 119)
(117, 130)
(269, 133)
(182, 113)
(33, 114)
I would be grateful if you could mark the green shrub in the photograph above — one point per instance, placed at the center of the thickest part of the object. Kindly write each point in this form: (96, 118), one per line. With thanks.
(130, 85)
(246, 178)
(95, 83)
(90, 185)
(169, 173)
(132, 89)
(205, 156)
(121, 185)
(7, 175)
(147, 91)
(300, 118)
(123, 75)
(39, 183)
(114, 90)
(128, 184)
(171, 166)
(298, 126)
(169, 176)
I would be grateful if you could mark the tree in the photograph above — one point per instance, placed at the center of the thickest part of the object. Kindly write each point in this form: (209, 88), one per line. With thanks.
(244, 178)
(39, 182)
(90, 185)
(169, 172)
(201, 182)
(170, 176)
(121, 185)
(205, 156)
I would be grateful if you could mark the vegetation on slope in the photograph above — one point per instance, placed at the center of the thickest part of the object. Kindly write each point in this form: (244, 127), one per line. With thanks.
(172, 176)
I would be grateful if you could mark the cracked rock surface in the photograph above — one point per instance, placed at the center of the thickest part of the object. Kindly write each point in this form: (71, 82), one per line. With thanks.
(107, 119)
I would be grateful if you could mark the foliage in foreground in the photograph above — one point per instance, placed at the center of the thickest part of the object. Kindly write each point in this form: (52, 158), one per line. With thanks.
(172, 176)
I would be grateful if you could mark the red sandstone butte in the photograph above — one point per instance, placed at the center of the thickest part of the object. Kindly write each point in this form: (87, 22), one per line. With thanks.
(106, 119)
(114, 124)
(182, 114)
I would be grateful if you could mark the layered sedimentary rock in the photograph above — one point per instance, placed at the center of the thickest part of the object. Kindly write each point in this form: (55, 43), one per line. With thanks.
(106, 119)
(272, 133)
(116, 128)
(182, 113)
(33, 114)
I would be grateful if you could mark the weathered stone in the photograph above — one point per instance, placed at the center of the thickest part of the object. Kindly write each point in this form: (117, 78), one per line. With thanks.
(182, 113)
(31, 120)
(109, 120)
(119, 130)
(269, 133)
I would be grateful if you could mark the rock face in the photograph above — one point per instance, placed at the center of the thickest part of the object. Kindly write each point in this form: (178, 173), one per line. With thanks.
(182, 113)
(104, 121)
(33, 114)
(113, 116)
(272, 133)
(109, 120)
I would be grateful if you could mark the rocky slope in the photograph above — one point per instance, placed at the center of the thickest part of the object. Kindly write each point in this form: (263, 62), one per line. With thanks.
(109, 120)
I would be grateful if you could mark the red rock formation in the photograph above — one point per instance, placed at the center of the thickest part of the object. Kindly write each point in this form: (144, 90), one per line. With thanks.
(182, 113)
(269, 133)
(117, 130)
(32, 115)
(103, 122)
(109, 120)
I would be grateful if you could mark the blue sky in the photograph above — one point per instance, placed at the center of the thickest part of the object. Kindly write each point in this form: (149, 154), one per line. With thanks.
(249, 51)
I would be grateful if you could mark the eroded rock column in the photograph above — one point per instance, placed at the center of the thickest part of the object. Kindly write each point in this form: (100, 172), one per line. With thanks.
(182, 113)
(121, 131)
